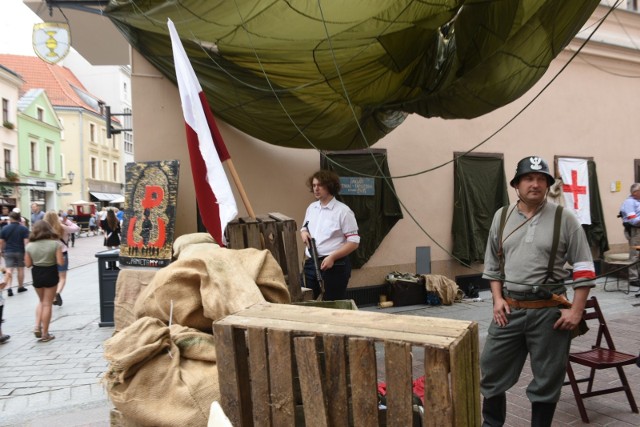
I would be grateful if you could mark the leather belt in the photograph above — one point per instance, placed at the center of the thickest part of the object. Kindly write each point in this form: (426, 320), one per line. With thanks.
(554, 301)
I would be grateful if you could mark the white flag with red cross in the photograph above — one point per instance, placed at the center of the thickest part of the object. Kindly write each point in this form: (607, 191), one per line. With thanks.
(575, 187)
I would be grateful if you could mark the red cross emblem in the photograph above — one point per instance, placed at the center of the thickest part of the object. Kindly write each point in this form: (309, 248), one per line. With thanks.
(574, 188)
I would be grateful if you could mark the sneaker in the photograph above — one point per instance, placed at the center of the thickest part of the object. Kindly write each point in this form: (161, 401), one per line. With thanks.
(22, 289)
(10, 292)
(4, 338)
(57, 300)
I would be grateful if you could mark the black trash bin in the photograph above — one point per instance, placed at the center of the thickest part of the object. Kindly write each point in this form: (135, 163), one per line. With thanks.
(108, 270)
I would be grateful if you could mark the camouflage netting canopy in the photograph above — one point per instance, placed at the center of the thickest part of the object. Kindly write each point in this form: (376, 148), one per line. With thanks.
(341, 74)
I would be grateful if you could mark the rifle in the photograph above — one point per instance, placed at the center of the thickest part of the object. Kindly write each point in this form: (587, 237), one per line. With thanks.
(313, 250)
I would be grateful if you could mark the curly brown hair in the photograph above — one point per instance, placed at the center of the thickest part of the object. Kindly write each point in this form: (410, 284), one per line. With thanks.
(329, 179)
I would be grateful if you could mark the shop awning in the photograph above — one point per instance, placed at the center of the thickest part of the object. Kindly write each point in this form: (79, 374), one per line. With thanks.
(119, 199)
(105, 197)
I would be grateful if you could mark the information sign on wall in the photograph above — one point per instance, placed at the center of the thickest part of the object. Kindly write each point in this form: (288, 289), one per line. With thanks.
(357, 186)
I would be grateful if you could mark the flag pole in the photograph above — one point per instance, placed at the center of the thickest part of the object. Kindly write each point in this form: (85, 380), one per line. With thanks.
(240, 188)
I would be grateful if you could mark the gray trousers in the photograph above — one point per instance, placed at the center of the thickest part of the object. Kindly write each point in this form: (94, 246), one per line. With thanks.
(529, 332)
(634, 240)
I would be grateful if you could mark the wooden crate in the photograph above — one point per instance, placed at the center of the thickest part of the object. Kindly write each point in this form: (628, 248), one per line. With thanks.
(276, 232)
(323, 364)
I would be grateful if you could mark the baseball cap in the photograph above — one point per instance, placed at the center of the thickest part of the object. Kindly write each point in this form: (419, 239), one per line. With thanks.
(16, 210)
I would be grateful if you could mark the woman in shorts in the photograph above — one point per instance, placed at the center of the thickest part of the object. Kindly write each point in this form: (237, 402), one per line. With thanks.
(64, 229)
(44, 254)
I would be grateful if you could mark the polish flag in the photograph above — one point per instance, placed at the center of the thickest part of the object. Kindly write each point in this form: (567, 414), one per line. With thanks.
(207, 151)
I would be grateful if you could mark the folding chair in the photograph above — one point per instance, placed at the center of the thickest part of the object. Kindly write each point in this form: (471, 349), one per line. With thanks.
(616, 266)
(603, 355)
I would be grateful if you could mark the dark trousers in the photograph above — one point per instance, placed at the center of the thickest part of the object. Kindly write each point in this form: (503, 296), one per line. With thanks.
(335, 279)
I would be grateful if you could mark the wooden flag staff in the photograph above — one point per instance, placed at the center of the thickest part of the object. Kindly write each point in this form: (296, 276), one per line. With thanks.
(240, 188)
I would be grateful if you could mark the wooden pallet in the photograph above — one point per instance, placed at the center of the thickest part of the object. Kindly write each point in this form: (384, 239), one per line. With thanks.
(286, 365)
(276, 232)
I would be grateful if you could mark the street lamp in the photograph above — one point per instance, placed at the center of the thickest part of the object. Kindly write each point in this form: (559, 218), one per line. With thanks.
(70, 175)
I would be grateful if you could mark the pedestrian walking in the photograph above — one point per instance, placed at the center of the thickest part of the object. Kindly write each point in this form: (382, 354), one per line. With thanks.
(111, 228)
(63, 228)
(44, 255)
(13, 238)
(3, 338)
(36, 213)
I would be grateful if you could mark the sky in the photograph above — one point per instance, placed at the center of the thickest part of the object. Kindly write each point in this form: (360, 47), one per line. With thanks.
(16, 27)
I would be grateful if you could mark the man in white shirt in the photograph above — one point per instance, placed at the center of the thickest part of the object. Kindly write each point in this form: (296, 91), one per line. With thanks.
(333, 226)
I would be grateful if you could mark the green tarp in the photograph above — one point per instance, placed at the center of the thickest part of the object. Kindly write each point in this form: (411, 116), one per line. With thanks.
(341, 74)
(480, 188)
(376, 213)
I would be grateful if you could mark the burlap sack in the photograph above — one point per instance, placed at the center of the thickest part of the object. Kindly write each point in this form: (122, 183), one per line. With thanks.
(160, 376)
(211, 283)
(446, 288)
(187, 240)
(129, 285)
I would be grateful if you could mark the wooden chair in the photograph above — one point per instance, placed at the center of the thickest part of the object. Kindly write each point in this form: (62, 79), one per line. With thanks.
(603, 355)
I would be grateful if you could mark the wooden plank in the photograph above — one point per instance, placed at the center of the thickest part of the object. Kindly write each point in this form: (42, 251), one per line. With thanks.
(314, 400)
(328, 328)
(271, 238)
(391, 322)
(229, 372)
(259, 371)
(438, 406)
(336, 386)
(474, 362)
(364, 394)
(289, 247)
(465, 378)
(279, 216)
(398, 372)
(325, 320)
(252, 231)
(236, 232)
(281, 378)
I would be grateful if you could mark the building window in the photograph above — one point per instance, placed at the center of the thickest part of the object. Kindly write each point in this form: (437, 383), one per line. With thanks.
(40, 114)
(94, 166)
(7, 161)
(128, 136)
(34, 156)
(105, 170)
(61, 128)
(5, 110)
(50, 167)
(115, 171)
(92, 132)
(632, 5)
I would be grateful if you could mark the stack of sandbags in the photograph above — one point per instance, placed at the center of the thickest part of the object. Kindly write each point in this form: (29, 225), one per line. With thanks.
(160, 375)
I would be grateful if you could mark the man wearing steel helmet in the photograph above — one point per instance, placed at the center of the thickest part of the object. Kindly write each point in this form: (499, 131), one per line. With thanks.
(529, 317)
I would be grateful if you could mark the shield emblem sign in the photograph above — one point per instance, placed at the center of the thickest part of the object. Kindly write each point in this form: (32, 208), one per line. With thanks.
(51, 41)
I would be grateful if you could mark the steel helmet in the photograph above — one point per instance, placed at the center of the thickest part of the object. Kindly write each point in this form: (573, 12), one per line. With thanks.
(532, 164)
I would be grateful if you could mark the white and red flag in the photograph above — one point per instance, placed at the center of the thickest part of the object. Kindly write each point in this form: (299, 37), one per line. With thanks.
(575, 186)
(207, 151)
